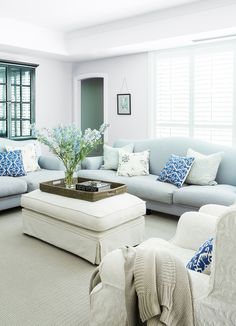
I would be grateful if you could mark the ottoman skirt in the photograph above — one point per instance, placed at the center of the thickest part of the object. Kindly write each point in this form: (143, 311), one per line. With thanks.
(90, 245)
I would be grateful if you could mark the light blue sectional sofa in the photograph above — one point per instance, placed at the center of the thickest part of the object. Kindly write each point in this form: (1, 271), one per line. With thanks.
(165, 197)
(11, 188)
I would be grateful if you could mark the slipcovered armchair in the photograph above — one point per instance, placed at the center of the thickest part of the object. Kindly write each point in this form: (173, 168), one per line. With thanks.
(214, 295)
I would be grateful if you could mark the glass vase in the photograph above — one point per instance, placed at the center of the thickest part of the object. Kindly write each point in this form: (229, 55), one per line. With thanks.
(69, 180)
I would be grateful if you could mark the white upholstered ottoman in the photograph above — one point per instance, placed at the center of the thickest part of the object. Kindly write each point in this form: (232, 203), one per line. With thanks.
(87, 229)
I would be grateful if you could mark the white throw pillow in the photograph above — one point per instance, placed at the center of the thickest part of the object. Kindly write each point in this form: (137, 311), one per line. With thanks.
(204, 169)
(111, 156)
(29, 156)
(133, 164)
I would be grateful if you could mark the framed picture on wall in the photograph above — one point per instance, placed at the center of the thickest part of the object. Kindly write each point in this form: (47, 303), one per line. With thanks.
(124, 104)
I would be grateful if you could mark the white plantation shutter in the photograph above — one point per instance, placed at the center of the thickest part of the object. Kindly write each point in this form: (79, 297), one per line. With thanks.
(194, 94)
(213, 96)
(172, 96)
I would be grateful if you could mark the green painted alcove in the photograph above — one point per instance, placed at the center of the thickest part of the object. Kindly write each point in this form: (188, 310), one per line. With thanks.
(92, 106)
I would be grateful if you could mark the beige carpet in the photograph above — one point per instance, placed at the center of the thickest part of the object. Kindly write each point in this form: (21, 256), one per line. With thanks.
(41, 285)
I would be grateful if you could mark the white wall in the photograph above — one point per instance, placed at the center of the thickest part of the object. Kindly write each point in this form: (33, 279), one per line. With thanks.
(134, 69)
(53, 93)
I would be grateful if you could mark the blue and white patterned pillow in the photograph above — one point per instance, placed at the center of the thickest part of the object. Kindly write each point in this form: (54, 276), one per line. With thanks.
(176, 170)
(202, 258)
(11, 164)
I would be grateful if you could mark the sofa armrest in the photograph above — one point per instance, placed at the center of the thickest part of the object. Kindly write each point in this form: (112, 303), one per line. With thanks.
(50, 163)
(92, 163)
(193, 229)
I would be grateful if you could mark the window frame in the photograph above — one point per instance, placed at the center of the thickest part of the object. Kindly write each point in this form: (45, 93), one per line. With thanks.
(191, 51)
(21, 65)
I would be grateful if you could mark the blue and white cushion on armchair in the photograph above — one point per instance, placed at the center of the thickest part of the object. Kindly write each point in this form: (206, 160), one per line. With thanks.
(202, 258)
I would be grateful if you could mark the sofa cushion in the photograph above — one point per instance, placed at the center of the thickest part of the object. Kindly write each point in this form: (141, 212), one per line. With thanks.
(204, 169)
(29, 155)
(145, 187)
(198, 196)
(133, 164)
(105, 175)
(12, 186)
(9, 142)
(34, 178)
(202, 259)
(176, 170)
(111, 156)
(11, 164)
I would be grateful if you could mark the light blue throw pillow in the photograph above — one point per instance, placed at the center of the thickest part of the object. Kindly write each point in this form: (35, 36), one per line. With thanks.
(176, 170)
(202, 258)
(11, 164)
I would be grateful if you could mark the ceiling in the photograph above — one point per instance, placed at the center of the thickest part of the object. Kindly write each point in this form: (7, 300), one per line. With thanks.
(70, 15)
(76, 30)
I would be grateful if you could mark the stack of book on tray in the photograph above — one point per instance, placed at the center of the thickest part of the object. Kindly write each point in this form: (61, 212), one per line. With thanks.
(93, 186)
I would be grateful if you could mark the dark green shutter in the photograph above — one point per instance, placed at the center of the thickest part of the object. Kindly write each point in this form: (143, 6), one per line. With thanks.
(17, 101)
(3, 101)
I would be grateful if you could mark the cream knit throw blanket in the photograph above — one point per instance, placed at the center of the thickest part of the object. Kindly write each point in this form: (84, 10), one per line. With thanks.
(160, 283)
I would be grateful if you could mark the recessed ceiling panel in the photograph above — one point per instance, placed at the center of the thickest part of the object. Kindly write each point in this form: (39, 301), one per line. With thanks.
(70, 15)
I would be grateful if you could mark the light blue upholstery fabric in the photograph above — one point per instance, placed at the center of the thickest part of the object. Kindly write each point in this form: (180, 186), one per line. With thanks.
(10, 202)
(170, 199)
(92, 163)
(12, 186)
(145, 187)
(50, 163)
(202, 195)
(109, 175)
(34, 178)
(162, 148)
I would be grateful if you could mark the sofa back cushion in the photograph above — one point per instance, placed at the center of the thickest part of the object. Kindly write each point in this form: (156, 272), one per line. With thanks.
(11, 164)
(162, 148)
(111, 156)
(133, 164)
(18, 143)
(29, 155)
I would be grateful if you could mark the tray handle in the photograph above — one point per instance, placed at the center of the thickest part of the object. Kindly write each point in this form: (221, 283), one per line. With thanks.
(112, 193)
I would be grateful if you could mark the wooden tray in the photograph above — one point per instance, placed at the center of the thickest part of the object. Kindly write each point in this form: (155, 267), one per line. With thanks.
(57, 187)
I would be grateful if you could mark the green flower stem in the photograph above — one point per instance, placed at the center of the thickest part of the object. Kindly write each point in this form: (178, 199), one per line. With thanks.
(70, 145)
(69, 181)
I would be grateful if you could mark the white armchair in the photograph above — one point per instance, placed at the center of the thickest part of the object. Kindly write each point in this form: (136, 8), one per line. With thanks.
(219, 304)
(214, 295)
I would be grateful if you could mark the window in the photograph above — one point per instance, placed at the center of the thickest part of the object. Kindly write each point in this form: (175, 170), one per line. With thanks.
(193, 93)
(17, 100)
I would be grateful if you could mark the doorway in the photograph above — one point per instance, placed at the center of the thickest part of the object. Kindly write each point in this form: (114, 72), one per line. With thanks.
(90, 104)
(92, 107)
